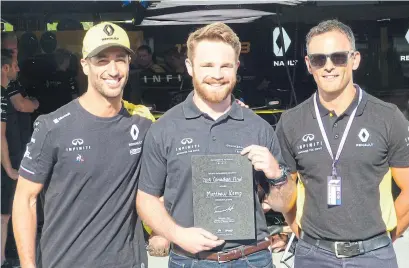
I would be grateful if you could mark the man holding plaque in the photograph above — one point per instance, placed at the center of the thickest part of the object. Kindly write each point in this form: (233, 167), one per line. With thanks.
(204, 156)
(345, 144)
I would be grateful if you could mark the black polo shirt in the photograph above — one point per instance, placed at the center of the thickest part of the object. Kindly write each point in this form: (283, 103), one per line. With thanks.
(3, 104)
(19, 124)
(378, 139)
(166, 161)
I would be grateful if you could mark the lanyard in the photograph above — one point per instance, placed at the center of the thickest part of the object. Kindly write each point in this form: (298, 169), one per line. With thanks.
(344, 136)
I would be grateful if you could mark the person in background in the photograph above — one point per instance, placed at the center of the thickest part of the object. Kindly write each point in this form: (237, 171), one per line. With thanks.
(60, 86)
(144, 61)
(22, 106)
(9, 159)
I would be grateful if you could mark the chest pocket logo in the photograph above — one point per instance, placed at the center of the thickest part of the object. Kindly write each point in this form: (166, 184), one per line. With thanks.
(363, 135)
(134, 132)
(186, 141)
(308, 137)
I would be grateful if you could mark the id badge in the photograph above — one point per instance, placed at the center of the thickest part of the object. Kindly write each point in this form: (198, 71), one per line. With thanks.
(334, 190)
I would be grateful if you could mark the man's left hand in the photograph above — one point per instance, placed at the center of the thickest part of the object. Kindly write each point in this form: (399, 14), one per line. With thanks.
(158, 246)
(263, 160)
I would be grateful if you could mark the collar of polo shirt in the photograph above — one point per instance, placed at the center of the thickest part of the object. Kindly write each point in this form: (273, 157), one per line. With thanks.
(190, 109)
(324, 111)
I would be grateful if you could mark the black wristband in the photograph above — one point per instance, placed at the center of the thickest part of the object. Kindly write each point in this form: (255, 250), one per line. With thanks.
(280, 180)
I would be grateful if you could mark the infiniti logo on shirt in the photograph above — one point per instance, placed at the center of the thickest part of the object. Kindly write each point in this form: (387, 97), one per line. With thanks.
(78, 146)
(186, 141)
(77, 142)
(308, 137)
(188, 147)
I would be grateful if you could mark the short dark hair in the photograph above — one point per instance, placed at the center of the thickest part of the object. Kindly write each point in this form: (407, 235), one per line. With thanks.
(329, 26)
(146, 48)
(6, 57)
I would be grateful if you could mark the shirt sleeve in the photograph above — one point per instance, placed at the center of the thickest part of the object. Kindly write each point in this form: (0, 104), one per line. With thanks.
(15, 88)
(153, 170)
(286, 150)
(38, 160)
(274, 146)
(3, 107)
(399, 140)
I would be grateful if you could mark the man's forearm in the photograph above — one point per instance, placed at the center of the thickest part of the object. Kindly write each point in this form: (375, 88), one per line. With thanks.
(282, 198)
(402, 212)
(24, 227)
(24, 105)
(291, 218)
(153, 213)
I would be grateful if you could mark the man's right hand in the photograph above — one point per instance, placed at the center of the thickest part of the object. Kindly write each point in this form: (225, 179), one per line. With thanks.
(195, 240)
(12, 173)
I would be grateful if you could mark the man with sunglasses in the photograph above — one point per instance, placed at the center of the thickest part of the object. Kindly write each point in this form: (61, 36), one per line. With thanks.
(344, 146)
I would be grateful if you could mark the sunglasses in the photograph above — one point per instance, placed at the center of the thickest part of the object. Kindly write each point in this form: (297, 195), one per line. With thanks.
(337, 58)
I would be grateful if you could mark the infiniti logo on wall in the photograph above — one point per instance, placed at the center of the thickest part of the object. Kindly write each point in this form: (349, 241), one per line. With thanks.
(308, 137)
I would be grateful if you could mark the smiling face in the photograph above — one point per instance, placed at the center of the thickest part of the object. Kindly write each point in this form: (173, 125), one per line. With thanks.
(107, 72)
(213, 69)
(331, 78)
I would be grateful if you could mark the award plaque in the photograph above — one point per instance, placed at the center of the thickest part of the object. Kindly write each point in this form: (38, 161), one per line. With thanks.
(223, 195)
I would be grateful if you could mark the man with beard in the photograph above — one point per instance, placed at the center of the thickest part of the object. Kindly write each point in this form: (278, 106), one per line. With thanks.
(22, 106)
(214, 124)
(86, 155)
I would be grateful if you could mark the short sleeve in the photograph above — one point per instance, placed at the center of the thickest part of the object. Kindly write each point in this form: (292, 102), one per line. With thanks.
(399, 140)
(15, 88)
(286, 150)
(38, 159)
(153, 170)
(3, 106)
(274, 146)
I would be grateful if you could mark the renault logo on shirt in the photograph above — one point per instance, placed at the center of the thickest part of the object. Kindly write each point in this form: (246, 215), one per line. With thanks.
(134, 132)
(363, 135)
(308, 137)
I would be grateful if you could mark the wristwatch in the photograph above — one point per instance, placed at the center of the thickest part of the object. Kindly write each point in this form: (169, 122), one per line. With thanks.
(280, 180)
